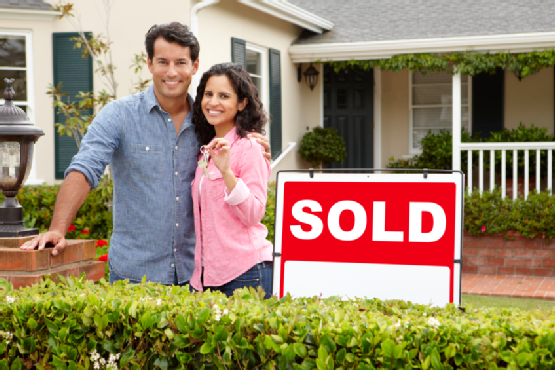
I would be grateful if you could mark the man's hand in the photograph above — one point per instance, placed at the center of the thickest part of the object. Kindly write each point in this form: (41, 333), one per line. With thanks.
(54, 237)
(262, 140)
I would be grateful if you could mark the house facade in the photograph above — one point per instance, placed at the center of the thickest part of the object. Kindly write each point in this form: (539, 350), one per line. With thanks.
(380, 113)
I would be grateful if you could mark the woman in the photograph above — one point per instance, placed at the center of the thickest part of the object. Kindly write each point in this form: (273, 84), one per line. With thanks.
(229, 190)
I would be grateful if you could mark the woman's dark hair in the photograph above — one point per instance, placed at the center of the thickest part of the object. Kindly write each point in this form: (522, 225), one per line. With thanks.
(173, 32)
(252, 117)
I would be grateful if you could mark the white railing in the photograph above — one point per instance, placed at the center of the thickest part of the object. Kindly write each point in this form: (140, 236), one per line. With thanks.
(514, 148)
(290, 147)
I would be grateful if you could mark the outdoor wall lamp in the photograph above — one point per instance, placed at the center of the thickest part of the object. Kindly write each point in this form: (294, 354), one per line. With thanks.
(18, 136)
(310, 76)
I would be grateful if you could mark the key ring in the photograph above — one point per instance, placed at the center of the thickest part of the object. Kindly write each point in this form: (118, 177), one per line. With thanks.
(205, 154)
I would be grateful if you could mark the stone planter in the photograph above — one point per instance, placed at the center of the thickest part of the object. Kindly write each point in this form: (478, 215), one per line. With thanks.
(493, 255)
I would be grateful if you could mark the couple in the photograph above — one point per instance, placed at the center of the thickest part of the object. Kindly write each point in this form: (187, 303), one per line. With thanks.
(178, 220)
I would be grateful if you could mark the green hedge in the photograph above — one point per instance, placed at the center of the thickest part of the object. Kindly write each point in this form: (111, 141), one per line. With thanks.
(76, 324)
(489, 214)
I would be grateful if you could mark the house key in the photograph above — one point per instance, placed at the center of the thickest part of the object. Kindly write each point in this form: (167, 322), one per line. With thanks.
(203, 163)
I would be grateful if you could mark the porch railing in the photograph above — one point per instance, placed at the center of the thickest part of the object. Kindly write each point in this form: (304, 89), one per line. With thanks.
(504, 148)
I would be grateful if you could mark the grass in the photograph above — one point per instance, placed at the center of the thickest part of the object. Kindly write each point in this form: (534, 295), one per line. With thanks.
(480, 301)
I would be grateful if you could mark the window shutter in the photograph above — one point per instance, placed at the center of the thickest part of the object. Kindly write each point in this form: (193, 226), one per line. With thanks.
(239, 52)
(488, 102)
(275, 103)
(76, 74)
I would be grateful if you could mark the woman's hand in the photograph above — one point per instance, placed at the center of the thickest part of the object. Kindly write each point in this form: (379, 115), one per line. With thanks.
(262, 140)
(220, 152)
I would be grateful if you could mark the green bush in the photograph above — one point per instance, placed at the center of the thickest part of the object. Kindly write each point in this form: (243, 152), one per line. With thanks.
(489, 214)
(38, 206)
(270, 215)
(75, 323)
(322, 146)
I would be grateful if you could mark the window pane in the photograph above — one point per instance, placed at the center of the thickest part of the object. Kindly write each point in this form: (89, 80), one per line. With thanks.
(437, 94)
(434, 119)
(257, 82)
(19, 85)
(12, 51)
(253, 62)
(435, 78)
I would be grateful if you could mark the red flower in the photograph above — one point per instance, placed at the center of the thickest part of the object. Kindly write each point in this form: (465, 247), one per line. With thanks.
(71, 228)
(104, 258)
(483, 228)
(85, 232)
(101, 243)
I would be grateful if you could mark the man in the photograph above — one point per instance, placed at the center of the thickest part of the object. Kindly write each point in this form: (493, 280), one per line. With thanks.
(150, 142)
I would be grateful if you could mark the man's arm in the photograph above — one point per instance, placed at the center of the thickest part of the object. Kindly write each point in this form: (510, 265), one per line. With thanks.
(71, 196)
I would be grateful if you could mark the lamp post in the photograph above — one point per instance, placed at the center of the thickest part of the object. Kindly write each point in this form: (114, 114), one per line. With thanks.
(18, 136)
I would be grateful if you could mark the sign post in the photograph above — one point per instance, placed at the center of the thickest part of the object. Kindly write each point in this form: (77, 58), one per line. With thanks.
(386, 236)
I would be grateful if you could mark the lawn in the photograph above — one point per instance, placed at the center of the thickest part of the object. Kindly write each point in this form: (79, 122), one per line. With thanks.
(523, 304)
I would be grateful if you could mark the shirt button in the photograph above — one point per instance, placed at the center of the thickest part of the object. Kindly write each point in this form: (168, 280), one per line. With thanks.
(147, 148)
(169, 119)
(176, 173)
(175, 249)
(176, 225)
(173, 265)
(176, 147)
(176, 198)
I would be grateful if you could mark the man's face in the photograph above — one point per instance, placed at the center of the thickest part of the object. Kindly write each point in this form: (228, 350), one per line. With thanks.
(172, 69)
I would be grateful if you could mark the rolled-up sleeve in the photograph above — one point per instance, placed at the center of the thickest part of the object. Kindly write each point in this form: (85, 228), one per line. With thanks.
(248, 198)
(98, 144)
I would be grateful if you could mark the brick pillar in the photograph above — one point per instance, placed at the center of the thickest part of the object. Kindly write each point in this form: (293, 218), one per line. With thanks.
(23, 268)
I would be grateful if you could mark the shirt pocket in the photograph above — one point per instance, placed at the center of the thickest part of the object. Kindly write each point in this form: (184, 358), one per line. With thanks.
(215, 186)
(146, 162)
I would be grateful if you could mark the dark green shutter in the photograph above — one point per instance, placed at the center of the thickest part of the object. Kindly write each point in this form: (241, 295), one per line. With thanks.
(275, 103)
(488, 102)
(239, 52)
(76, 74)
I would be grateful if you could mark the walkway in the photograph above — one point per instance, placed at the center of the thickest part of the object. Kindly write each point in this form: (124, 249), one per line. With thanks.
(509, 286)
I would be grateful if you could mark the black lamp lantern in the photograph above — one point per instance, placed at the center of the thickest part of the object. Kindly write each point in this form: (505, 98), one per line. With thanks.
(311, 77)
(18, 136)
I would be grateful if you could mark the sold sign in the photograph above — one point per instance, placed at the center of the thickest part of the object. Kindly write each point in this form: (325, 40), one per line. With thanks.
(385, 236)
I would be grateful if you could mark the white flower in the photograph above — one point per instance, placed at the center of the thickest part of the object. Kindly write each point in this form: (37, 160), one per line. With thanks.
(226, 311)
(397, 325)
(10, 299)
(96, 365)
(102, 361)
(433, 322)
(158, 301)
(216, 307)
(217, 317)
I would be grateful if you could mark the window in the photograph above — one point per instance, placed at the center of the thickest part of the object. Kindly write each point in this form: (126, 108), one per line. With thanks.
(431, 105)
(15, 61)
(257, 66)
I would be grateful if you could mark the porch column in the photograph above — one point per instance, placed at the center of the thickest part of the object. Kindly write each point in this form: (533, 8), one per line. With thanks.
(457, 121)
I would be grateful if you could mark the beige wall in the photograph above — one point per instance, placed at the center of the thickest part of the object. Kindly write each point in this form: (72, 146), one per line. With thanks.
(530, 100)
(219, 23)
(395, 115)
(128, 25)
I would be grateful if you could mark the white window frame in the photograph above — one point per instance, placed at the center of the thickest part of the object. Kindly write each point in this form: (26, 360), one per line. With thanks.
(30, 103)
(413, 151)
(264, 76)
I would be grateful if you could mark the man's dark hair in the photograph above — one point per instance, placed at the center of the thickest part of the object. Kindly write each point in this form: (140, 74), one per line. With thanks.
(173, 32)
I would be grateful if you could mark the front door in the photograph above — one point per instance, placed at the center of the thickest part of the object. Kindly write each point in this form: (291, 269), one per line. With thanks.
(348, 108)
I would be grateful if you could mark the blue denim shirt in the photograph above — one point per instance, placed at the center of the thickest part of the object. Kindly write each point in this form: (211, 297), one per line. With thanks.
(152, 169)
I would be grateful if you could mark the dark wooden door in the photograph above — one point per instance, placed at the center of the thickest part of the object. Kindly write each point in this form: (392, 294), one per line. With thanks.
(348, 108)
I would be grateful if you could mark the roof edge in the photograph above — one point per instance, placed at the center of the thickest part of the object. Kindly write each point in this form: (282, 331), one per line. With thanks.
(284, 10)
(29, 14)
(522, 42)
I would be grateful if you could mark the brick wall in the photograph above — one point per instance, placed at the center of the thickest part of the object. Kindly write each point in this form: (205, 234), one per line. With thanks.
(23, 268)
(493, 255)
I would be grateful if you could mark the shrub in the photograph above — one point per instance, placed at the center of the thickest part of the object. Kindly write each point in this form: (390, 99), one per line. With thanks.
(489, 214)
(38, 208)
(270, 215)
(75, 323)
(322, 146)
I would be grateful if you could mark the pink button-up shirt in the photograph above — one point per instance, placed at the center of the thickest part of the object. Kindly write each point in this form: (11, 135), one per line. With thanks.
(230, 237)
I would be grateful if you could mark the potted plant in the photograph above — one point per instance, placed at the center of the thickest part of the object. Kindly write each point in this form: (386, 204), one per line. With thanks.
(322, 146)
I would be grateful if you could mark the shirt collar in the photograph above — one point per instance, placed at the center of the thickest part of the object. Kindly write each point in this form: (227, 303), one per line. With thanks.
(232, 136)
(151, 101)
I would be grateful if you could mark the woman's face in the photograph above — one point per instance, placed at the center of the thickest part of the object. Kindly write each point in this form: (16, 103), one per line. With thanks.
(219, 103)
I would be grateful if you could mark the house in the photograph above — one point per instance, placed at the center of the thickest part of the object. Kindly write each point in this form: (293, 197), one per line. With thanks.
(381, 113)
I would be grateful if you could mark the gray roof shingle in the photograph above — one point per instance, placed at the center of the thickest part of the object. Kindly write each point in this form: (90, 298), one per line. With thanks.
(25, 4)
(378, 20)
